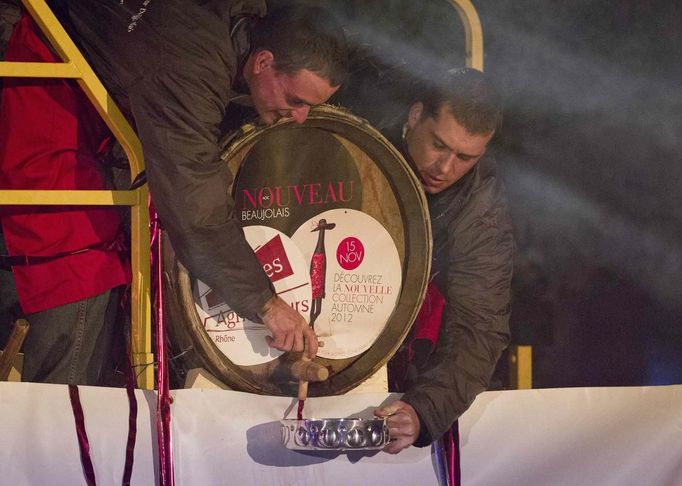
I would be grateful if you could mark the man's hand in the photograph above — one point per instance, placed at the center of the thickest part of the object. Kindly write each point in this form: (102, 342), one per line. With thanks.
(289, 330)
(403, 425)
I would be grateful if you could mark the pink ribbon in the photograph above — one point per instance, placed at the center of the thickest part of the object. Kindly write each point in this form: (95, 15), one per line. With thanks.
(83, 442)
(163, 414)
(452, 455)
(132, 419)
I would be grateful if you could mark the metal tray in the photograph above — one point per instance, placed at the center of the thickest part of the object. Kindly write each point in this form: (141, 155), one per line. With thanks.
(335, 434)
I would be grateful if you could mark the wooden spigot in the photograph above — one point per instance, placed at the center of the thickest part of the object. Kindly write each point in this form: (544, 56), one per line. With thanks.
(303, 386)
(306, 370)
(16, 339)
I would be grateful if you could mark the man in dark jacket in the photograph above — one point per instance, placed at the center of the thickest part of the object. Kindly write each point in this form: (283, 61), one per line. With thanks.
(173, 67)
(463, 326)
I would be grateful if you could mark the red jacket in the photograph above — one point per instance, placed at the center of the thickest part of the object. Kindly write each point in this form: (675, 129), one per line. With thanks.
(51, 138)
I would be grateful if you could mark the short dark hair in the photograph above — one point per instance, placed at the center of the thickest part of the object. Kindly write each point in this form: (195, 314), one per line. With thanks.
(471, 98)
(303, 37)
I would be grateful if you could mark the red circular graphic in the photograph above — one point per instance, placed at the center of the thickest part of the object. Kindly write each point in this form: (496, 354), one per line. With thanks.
(350, 253)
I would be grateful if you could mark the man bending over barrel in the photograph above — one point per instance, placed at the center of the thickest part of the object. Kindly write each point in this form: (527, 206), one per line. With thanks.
(173, 66)
(463, 325)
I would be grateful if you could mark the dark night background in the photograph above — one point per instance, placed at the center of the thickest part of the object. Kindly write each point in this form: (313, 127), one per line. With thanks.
(591, 152)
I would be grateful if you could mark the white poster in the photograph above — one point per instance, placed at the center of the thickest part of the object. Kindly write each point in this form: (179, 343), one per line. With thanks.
(358, 276)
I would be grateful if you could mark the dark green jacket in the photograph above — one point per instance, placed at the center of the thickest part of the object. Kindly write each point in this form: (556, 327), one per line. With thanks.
(472, 267)
(172, 64)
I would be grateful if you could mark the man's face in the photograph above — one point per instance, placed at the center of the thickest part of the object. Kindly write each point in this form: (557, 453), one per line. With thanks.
(442, 150)
(278, 95)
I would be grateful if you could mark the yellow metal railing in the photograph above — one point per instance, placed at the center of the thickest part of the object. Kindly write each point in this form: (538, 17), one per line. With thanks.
(521, 367)
(472, 31)
(76, 67)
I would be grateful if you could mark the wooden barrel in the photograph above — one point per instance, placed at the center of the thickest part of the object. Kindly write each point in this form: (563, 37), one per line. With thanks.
(340, 224)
